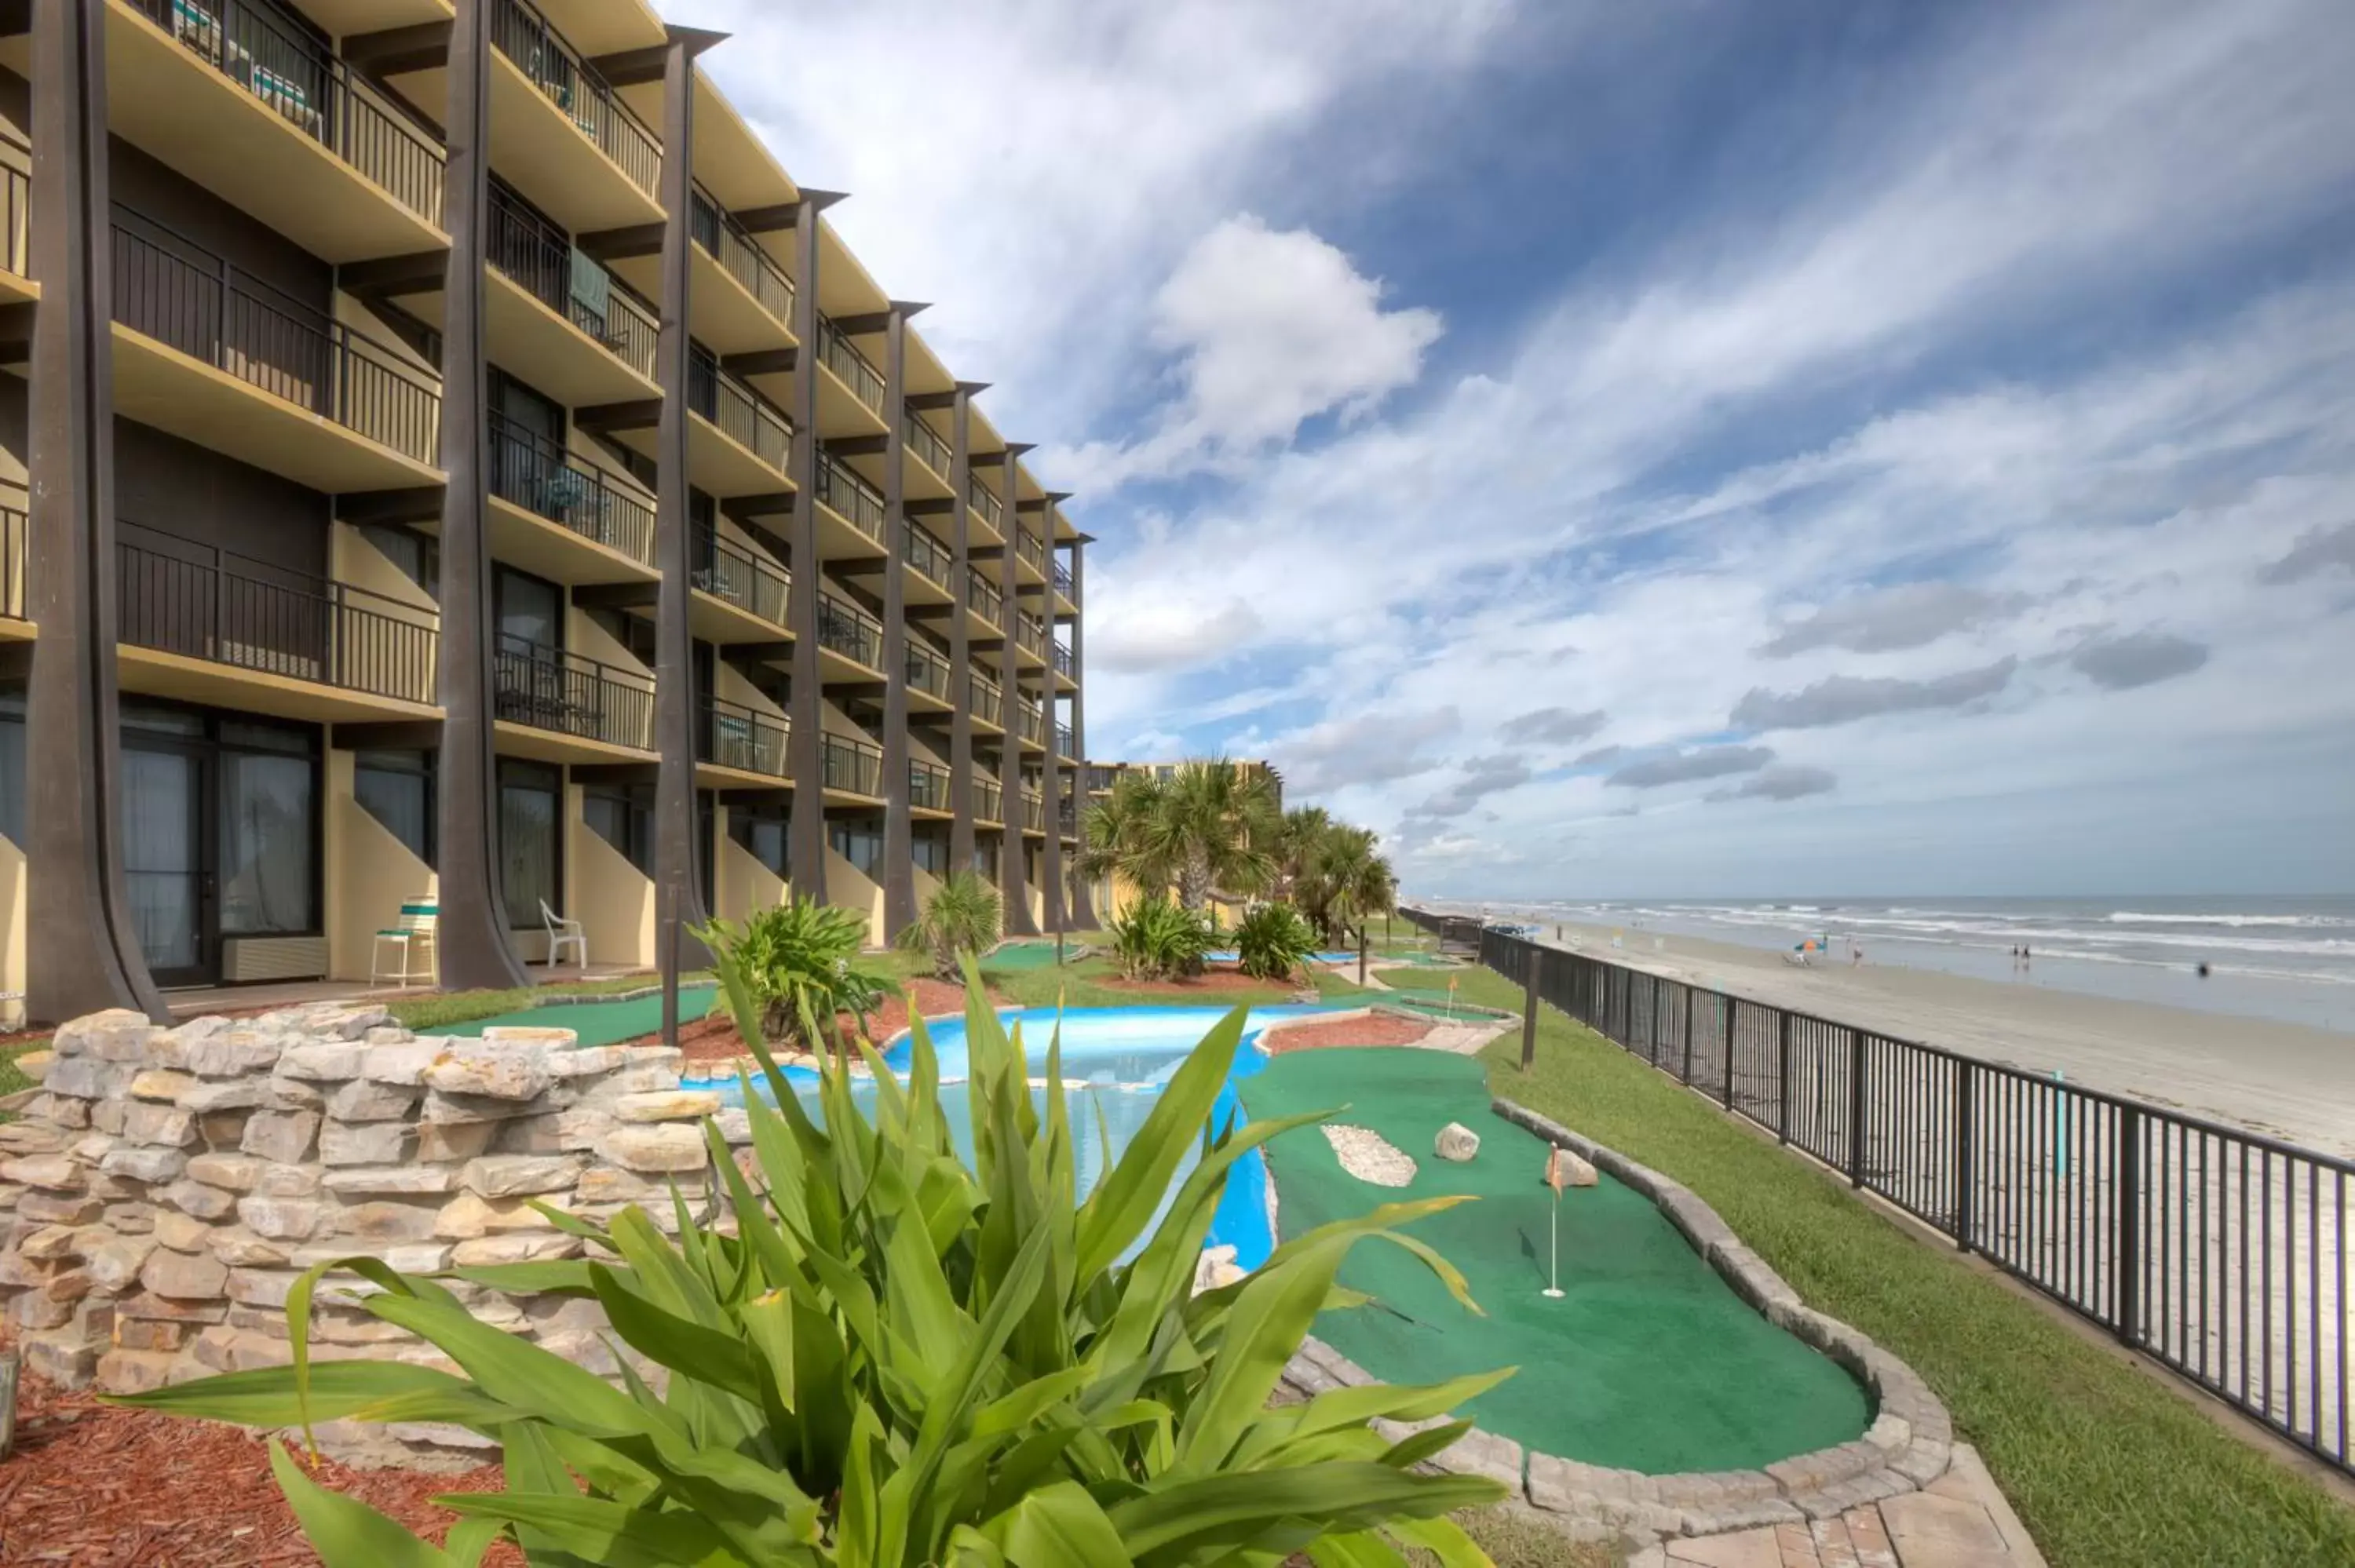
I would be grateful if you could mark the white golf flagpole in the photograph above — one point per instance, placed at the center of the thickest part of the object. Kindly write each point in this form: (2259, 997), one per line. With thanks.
(1553, 1180)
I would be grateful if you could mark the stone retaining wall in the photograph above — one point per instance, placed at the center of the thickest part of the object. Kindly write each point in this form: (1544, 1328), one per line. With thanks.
(164, 1187)
(1907, 1447)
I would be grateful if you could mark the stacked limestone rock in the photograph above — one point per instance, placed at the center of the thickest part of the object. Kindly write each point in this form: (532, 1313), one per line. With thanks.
(162, 1188)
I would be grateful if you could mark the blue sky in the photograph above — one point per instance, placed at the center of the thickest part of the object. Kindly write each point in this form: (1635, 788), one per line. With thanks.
(1697, 448)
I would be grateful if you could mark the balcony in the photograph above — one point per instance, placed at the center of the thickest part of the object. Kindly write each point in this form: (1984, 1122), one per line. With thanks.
(856, 525)
(17, 285)
(737, 578)
(564, 323)
(563, 133)
(756, 427)
(1063, 741)
(988, 702)
(982, 598)
(928, 676)
(1030, 636)
(982, 499)
(988, 800)
(225, 361)
(927, 448)
(1032, 551)
(755, 273)
(289, 135)
(851, 395)
(743, 741)
(302, 647)
(560, 518)
(1062, 576)
(13, 525)
(930, 560)
(928, 786)
(600, 707)
(847, 635)
(1034, 813)
(1030, 723)
(1067, 668)
(854, 768)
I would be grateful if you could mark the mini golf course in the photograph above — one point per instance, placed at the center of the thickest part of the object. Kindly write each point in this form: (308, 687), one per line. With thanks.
(599, 1022)
(1021, 956)
(1649, 1362)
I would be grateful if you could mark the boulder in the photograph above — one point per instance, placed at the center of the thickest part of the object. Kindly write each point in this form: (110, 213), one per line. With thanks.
(663, 1145)
(516, 1175)
(1457, 1142)
(490, 1072)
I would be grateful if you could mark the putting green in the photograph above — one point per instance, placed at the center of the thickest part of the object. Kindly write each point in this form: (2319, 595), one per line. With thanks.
(1021, 956)
(1649, 1362)
(597, 1023)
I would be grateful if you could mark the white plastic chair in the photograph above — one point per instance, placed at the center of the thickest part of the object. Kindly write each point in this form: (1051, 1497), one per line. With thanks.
(413, 937)
(561, 933)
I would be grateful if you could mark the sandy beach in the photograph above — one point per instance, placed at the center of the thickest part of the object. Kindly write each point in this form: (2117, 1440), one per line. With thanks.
(2280, 1079)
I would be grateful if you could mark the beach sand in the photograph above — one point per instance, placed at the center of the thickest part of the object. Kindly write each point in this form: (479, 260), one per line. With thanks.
(2280, 1079)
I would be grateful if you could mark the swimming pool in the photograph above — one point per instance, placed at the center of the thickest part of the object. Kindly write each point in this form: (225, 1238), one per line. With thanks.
(1229, 956)
(1120, 1058)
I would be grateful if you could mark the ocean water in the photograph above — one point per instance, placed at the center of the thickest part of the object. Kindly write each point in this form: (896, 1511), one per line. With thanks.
(2286, 959)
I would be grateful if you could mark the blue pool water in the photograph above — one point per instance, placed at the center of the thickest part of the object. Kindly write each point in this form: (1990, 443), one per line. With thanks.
(1229, 956)
(1125, 1058)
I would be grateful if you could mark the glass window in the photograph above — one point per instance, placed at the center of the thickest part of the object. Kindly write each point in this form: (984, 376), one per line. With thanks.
(766, 836)
(12, 768)
(859, 844)
(530, 849)
(623, 817)
(269, 835)
(530, 609)
(396, 788)
(931, 856)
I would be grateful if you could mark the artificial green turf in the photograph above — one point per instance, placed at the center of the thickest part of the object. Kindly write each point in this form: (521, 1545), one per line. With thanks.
(596, 1023)
(2108, 1468)
(1647, 1363)
(1025, 956)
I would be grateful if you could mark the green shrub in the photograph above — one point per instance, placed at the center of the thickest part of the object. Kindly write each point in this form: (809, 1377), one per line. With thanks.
(797, 962)
(1158, 939)
(961, 917)
(1271, 942)
(898, 1360)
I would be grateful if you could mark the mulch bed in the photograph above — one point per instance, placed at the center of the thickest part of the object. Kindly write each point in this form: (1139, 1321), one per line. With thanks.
(1209, 982)
(1375, 1029)
(95, 1486)
(714, 1039)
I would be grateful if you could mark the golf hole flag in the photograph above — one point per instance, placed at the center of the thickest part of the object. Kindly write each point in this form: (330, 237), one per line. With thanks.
(1557, 1174)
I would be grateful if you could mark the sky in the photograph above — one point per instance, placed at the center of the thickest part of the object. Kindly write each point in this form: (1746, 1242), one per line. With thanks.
(1682, 449)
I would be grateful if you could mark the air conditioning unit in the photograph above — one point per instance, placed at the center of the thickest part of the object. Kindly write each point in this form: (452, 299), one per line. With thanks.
(245, 959)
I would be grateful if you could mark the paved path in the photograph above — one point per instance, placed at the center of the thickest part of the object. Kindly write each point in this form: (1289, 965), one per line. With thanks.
(1961, 1521)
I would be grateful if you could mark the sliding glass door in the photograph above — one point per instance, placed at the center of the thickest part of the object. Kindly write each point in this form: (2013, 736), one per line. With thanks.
(165, 863)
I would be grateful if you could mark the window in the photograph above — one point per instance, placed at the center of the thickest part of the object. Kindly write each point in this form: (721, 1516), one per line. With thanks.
(931, 856)
(530, 840)
(269, 829)
(396, 788)
(860, 845)
(530, 610)
(12, 768)
(624, 816)
(766, 834)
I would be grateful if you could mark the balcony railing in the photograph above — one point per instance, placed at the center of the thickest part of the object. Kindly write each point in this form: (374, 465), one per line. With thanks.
(1031, 549)
(1063, 575)
(981, 597)
(1064, 663)
(750, 742)
(1068, 821)
(985, 502)
(930, 449)
(548, 688)
(727, 571)
(988, 800)
(1101, 779)
(858, 503)
(185, 297)
(742, 415)
(533, 473)
(1031, 632)
(16, 203)
(928, 785)
(279, 61)
(854, 766)
(740, 257)
(848, 630)
(988, 701)
(574, 86)
(927, 671)
(12, 563)
(227, 609)
(1030, 723)
(1063, 740)
(924, 552)
(1034, 812)
(834, 352)
(542, 259)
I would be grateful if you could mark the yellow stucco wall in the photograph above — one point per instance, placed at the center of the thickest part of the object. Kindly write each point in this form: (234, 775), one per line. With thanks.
(370, 874)
(12, 938)
(848, 888)
(613, 900)
(745, 885)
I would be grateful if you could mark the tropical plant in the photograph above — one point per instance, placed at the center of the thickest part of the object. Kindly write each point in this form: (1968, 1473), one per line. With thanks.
(1348, 882)
(1272, 941)
(896, 1359)
(1154, 938)
(1303, 827)
(1207, 828)
(961, 917)
(795, 960)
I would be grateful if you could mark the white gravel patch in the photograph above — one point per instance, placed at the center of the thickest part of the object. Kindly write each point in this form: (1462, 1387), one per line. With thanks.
(1370, 1157)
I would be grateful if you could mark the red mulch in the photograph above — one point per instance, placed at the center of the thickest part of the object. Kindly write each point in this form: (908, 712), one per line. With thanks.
(1375, 1029)
(95, 1486)
(1210, 982)
(714, 1039)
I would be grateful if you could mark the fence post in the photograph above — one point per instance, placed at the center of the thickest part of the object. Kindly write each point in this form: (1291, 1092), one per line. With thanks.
(2125, 1191)
(1652, 1023)
(1728, 1096)
(1783, 1077)
(1855, 1060)
(1967, 1134)
(1529, 1013)
(1686, 1076)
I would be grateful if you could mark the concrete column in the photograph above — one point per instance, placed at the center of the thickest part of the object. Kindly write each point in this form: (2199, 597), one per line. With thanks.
(679, 899)
(806, 836)
(1014, 855)
(1083, 913)
(82, 950)
(898, 810)
(961, 830)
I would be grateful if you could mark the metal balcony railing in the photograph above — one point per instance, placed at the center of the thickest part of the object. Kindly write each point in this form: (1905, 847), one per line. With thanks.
(849, 629)
(548, 688)
(834, 352)
(16, 203)
(230, 609)
(742, 415)
(1031, 549)
(1063, 575)
(928, 447)
(542, 259)
(1063, 740)
(171, 289)
(1069, 821)
(732, 245)
(988, 701)
(1031, 632)
(281, 63)
(854, 500)
(984, 501)
(729, 571)
(927, 671)
(1030, 723)
(574, 86)
(13, 525)
(988, 800)
(1034, 812)
(854, 766)
(924, 552)
(532, 472)
(737, 737)
(981, 597)
(1101, 779)
(928, 785)
(1064, 663)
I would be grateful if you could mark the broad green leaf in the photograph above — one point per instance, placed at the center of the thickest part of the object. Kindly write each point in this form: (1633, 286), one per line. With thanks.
(605, 1533)
(708, 1355)
(1193, 1515)
(1057, 1526)
(517, 1371)
(1444, 1539)
(1117, 1211)
(345, 1531)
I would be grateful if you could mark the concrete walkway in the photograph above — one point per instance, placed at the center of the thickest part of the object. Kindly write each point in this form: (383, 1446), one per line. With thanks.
(1961, 1520)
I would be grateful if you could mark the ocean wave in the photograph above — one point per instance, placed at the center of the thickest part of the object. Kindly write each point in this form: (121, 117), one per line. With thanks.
(2135, 917)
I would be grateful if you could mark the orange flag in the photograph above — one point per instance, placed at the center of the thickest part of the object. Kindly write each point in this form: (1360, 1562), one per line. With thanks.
(1556, 1178)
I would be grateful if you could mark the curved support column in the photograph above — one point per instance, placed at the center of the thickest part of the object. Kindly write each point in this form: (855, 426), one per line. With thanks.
(898, 785)
(1083, 913)
(806, 837)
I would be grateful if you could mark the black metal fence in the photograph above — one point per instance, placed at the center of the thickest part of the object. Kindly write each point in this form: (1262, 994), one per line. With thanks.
(853, 766)
(740, 738)
(577, 88)
(548, 688)
(742, 415)
(726, 570)
(740, 255)
(2219, 1253)
(542, 259)
(532, 471)
(848, 630)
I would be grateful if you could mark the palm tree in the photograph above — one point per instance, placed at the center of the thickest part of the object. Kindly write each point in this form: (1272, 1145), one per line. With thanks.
(1295, 842)
(1207, 828)
(1353, 882)
(962, 916)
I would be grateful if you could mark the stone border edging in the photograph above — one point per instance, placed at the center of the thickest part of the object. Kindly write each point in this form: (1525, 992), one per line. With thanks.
(1908, 1445)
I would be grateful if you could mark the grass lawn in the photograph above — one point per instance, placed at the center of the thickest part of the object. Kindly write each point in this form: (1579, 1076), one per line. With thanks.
(2106, 1467)
(1096, 982)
